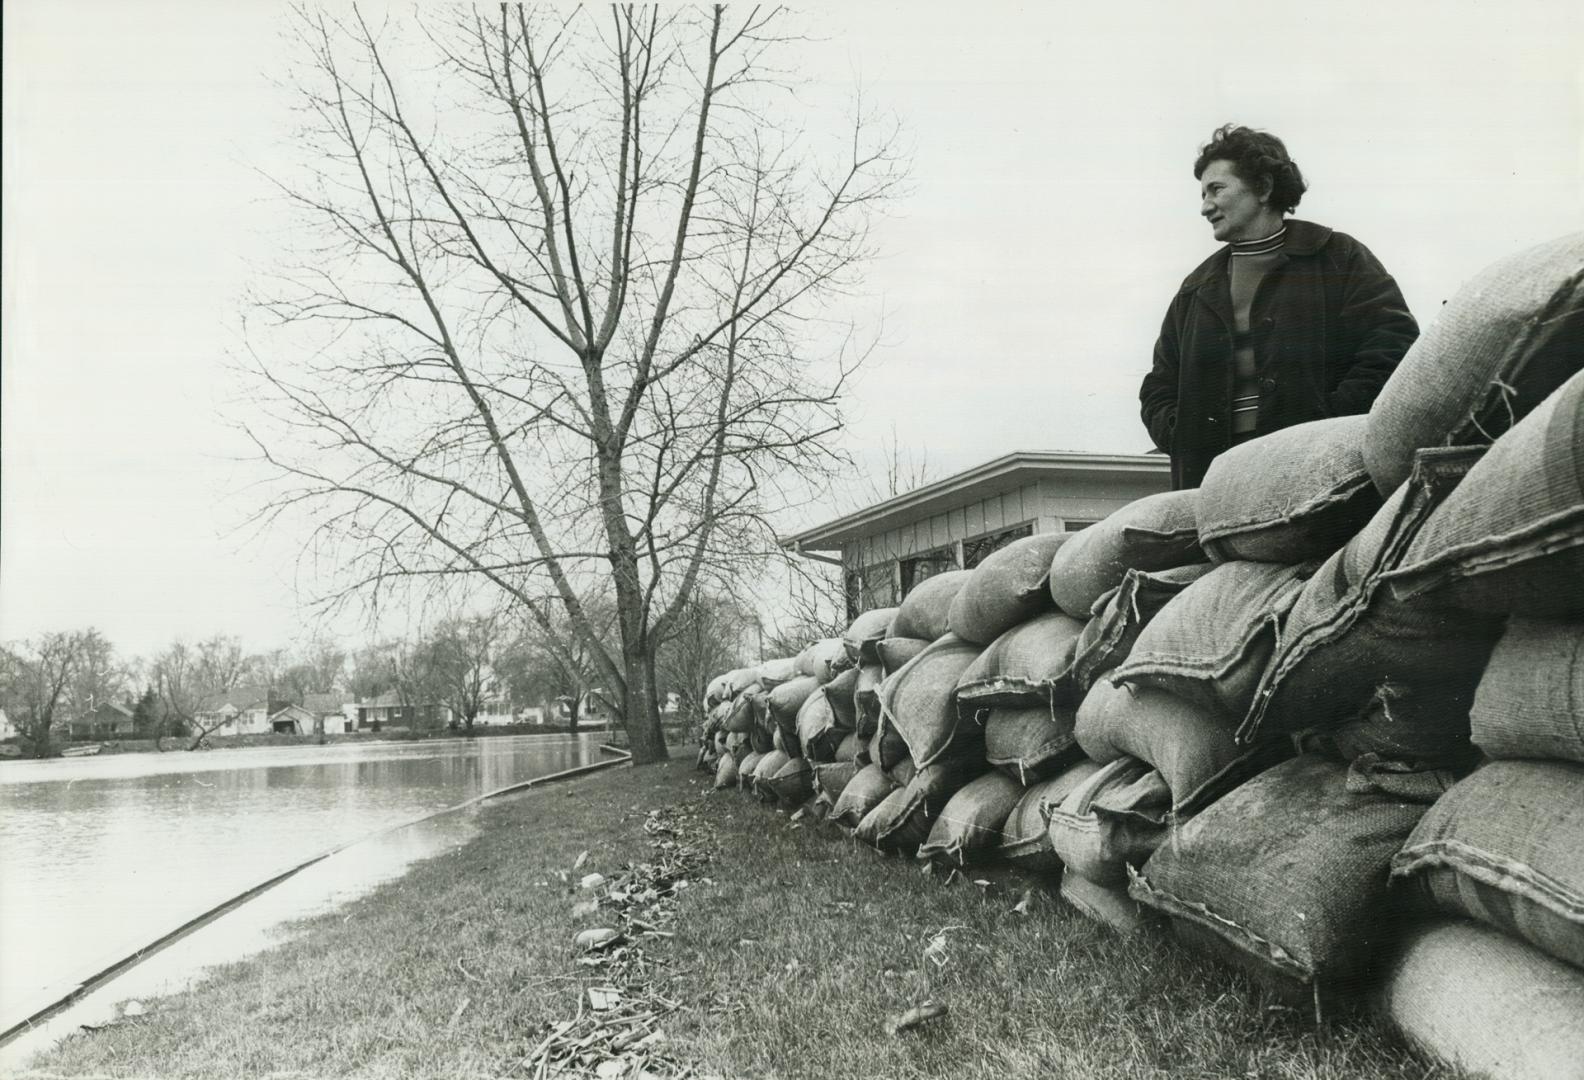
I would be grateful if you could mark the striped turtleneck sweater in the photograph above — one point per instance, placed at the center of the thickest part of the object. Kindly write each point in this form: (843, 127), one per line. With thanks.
(1251, 259)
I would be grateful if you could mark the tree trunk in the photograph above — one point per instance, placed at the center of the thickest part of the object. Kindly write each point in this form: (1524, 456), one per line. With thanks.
(645, 738)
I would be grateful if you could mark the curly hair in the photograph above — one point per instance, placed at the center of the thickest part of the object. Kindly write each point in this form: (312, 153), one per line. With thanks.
(1259, 158)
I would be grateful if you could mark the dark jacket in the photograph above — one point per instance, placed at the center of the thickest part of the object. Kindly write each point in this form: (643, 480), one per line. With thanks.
(1328, 325)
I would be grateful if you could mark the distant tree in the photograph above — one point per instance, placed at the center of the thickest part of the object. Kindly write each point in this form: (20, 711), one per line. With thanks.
(370, 672)
(460, 658)
(711, 636)
(550, 663)
(186, 676)
(36, 683)
(148, 719)
(99, 675)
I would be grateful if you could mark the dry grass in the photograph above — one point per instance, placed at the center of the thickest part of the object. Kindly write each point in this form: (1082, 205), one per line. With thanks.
(791, 952)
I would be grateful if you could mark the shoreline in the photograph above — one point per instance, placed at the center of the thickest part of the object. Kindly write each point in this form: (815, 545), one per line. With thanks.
(784, 950)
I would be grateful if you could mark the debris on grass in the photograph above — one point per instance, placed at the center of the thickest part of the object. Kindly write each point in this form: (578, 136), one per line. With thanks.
(918, 1015)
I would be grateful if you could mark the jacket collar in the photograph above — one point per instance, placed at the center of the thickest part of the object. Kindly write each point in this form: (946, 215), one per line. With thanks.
(1303, 238)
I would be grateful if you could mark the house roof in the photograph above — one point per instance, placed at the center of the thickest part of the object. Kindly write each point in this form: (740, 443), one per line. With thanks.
(1005, 473)
(113, 706)
(297, 709)
(324, 703)
(240, 698)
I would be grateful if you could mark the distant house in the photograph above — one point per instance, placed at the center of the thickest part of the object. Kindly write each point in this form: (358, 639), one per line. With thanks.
(8, 730)
(496, 708)
(391, 709)
(293, 720)
(335, 712)
(107, 720)
(243, 711)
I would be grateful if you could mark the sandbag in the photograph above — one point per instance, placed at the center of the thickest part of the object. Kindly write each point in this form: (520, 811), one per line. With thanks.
(1009, 587)
(726, 686)
(1510, 538)
(895, 652)
(1112, 820)
(740, 718)
(823, 660)
(1119, 616)
(901, 822)
(1030, 664)
(1193, 748)
(1530, 701)
(1286, 876)
(726, 772)
(1030, 744)
(1211, 643)
(847, 750)
(793, 783)
(1499, 347)
(818, 735)
(762, 737)
(772, 673)
(1399, 674)
(887, 748)
(1506, 847)
(861, 794)
(831, 780)
(1156, 532)
(1025, 835)
(1295, 494)
(970, 823)
(768, 766)
(746, 769)
(737, 746)
(786, 699)
(924, 611)
(840, 691)
(1484, 1002)
(1109, 904)
(919, 701)
(866, 632)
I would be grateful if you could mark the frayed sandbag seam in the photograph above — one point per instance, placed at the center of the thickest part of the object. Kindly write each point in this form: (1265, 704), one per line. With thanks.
(1241, 936)
(1493, 870)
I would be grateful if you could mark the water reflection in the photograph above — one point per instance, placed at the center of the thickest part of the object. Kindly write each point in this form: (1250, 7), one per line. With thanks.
(100, 855)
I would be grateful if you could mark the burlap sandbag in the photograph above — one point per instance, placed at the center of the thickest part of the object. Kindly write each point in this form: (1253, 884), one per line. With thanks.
(746, 769)
(793, 783)
(1156, 532)
(847, 749)
(727, 686)
(1399, 675)
(1030, 744)
(1530, 701)
(924, 611)
(842, 692)
(1025, 835)
(1295, 494)
(824, 660)
(861, 794)
(1506, 847)
(1193, 748)
(1510, 538)
(1011, 586)
(1286, 876)
(867, 631)
(1030, 664)
(1112, 820)
(919, 701)
(786, 699)
(1499, 347)
(740, 718)
(895, 652)
(1120, 615)
(737, 745)
(887, 747)
(832, 779)
(1211, 642)
(768, 766)
(726, 772)
(901, 822)
(969, 825)
(1484, 1002)
(772, 673)
(818, 735)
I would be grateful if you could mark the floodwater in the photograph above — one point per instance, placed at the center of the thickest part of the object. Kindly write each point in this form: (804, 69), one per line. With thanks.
(101, 855)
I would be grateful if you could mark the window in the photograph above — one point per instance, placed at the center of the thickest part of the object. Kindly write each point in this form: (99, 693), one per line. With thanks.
(869, 588)
(1074, 525)
(922, 567)
(980, 548)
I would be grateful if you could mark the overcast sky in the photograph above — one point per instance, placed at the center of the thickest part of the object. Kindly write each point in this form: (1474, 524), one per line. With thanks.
(1051, 216)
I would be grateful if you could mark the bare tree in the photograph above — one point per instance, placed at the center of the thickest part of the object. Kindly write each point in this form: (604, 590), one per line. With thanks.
(715, 633)
(36, 680)
(564, 331)
(550, 662)
(99, 675)
(187, 677)
(461, 657)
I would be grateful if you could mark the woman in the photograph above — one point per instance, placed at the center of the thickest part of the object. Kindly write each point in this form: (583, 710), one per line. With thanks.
(1289, 322)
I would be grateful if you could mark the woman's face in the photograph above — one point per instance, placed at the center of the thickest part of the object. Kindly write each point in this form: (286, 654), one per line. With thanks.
(1235, 211)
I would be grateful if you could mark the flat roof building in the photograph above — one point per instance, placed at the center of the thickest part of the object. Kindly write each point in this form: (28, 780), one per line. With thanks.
(886, 549)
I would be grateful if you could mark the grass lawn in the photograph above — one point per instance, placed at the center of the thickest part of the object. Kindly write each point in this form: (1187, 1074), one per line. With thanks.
(786, 954)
